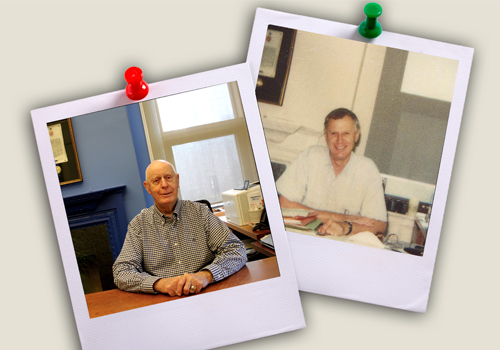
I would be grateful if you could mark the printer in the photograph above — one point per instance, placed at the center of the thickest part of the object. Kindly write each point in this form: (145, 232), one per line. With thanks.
(239, 202)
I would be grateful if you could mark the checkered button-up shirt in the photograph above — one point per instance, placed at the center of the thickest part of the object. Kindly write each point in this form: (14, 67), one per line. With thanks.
(193, 239)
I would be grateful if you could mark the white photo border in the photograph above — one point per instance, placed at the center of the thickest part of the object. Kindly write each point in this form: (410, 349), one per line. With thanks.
(224, 317)
(356, 272)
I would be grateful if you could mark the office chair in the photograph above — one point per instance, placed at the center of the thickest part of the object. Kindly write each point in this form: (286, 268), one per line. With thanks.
(207, 203)
(278, 170)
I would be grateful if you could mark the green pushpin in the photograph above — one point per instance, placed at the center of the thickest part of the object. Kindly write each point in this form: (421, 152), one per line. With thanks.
(370, 28)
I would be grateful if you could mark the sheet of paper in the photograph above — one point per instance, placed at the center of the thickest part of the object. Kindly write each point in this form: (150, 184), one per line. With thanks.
(217, 318)
(332, 66)
(57, 142)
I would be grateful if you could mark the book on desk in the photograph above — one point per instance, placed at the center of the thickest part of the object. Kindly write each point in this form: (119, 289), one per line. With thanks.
(300, 219)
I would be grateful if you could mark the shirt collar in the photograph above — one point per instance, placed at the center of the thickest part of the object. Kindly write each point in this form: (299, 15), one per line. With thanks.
(175, 213)
(349, 167)
(177, 209)
(351, 164)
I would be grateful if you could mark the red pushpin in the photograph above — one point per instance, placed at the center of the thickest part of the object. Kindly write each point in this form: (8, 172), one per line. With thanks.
(136, 88)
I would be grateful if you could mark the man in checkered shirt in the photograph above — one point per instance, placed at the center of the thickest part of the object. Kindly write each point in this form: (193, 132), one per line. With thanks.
(176, 246)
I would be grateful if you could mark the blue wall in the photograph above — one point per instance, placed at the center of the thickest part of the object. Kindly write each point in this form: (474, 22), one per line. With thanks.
(140, 145)
(108, 155)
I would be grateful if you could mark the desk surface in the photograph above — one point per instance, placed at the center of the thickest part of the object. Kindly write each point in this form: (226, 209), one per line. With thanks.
(258, 246)
(363, 238)
(115, 300)
(245, 229)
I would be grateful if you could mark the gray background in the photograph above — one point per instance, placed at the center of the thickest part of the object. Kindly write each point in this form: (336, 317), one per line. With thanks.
(54, 52)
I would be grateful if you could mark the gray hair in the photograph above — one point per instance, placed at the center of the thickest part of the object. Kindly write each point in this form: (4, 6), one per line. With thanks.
(340, 113)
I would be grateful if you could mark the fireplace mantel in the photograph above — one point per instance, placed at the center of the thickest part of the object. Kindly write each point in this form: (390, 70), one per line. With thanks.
(104, 206)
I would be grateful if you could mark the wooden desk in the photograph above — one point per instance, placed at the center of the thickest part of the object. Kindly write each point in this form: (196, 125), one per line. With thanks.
(246, 229)
(258, 246)
(115, 300)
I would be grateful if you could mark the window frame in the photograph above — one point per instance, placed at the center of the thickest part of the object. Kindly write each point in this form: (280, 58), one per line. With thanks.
(160, 143)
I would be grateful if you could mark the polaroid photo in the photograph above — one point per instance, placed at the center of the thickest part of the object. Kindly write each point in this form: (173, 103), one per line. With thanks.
(94, 154)
(362, 136)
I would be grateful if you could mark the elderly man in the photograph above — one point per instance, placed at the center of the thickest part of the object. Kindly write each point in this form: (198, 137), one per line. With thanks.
(343, 188)
(176, 246)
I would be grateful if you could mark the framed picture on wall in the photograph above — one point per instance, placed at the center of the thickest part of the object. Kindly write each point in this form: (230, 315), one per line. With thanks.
(63, 145)
(275, 64)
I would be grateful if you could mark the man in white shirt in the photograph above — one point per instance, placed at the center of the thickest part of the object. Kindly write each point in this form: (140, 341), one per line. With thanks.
(344, 189)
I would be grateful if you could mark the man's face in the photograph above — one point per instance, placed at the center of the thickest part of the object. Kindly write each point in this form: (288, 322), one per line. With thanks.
(341, 136)
(162, 183)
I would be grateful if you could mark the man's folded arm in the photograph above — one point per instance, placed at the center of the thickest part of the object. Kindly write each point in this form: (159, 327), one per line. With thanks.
(130, 279)
(230, 252)
(323, 215)
(287, 203)
(127, 269)
(377, 227)
(359, 223)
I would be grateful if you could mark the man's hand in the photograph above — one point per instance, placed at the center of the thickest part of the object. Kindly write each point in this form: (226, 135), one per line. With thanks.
(340, 228)
(167, 286)
(194, 282)
(324, 216)
(333, 228)
(189, 283)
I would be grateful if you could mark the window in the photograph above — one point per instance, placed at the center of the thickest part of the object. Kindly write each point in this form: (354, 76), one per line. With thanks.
(407, 132)
(204, 134)
(206, 174)
(194, 108)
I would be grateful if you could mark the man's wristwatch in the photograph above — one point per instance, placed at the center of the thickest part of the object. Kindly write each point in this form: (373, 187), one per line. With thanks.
(350, 228)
